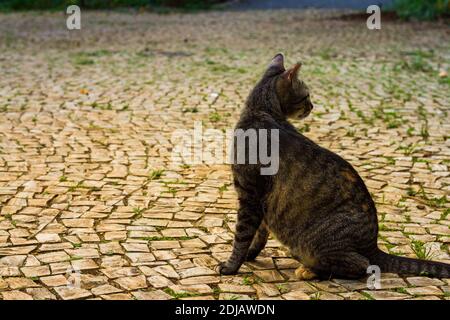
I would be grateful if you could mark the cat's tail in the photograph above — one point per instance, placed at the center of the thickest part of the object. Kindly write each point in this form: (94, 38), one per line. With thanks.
(396, 264)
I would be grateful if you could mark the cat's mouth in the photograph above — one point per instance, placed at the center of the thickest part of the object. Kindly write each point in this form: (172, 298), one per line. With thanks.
(303, 114)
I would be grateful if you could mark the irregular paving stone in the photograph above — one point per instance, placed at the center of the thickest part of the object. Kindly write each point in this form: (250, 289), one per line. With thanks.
(425, 291)
(385, 295)
(159, 282)
(224, 287)
(48, 237)
(424, 282)
(158, 245)
(163, 255)
(351, 284)
(148, 271)
(3, 284)
(140, 258)
(266, 290)
(37, 271)
(262, 263)
(296, 295)
(269, 275)
(61, 267)
(392, 283)
(115, 236)
(111, 248)
(193, 288)
(168, 271)
(195, 272)
(135, 247)
(105, 289)
(323, 295)
(84, 264)
(295, 286)
(6, 271)
(198, 298)
(200, 279)
(16, 250)
(41, 294)
(89, 281)
(83, 253)
(20, 283)
(234, 296)
(13, 261)
(425, 298)
(151, 295)
(132, 283)
(353, 296)
(117, 296)
(15, 295)
(113, 273)
(72, 293)
(328, 286)
(57, 256)
(54, 281)
(78, 223)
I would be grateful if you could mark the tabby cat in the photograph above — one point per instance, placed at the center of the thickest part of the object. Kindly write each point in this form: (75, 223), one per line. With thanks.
(316, 204)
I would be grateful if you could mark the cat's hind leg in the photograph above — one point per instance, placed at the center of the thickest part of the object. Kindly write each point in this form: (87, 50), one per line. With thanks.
(303, 273)
(346, 265)
(248, 221)
(259, 242)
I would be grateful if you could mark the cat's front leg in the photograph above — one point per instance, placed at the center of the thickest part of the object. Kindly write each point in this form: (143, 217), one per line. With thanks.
(248, 221)
(259, 242)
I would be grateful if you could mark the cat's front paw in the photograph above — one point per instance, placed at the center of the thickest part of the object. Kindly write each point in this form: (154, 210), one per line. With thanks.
(252, 254)
(226, 269)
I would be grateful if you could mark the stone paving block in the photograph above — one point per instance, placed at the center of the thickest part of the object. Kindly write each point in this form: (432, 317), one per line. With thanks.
(20, 283)
(16, 295)
(132, 283)
(54, 281)
(151, 295)
(195, 272)
(105, 289)
(296, 295)
(224, 287)
(117, 296)
(72, 293)
(37, 271)
(6, 271)
(269, 275)
(424, 291)
(192, 289)
(40, 294)
(385, 295)
(424, 282)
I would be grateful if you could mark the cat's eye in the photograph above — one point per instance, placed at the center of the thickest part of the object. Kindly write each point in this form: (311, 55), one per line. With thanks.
(301, 100)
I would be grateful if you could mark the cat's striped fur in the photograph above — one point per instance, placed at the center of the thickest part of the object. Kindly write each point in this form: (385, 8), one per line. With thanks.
(317, 204)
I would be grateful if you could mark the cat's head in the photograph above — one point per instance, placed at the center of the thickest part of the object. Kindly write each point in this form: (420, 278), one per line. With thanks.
(292, 92)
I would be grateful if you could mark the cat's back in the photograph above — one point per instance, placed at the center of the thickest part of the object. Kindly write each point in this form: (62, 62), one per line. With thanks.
(313, 177)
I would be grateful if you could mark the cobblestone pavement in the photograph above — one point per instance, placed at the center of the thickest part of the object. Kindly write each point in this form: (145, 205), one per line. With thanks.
(92, 205)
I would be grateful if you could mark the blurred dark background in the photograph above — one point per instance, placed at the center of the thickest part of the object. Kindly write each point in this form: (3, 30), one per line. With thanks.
(416, 9)
(338, 4)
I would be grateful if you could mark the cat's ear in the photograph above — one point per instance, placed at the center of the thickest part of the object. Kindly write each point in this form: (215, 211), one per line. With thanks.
(277, 61)
(292, 72)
